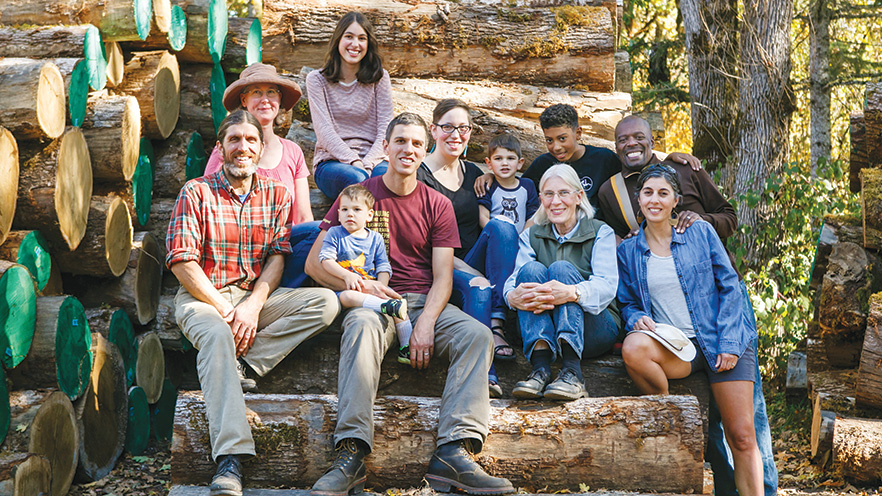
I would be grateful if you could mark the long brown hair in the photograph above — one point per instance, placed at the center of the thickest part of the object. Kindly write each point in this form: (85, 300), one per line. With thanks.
(370, 69)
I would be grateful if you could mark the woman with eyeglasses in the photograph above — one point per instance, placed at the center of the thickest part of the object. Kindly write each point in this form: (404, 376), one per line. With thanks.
(685, 279)
(262, 92)
(350, 101)
(563, 288)
(486, 252)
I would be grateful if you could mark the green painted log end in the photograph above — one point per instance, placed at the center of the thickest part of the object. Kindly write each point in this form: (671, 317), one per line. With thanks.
(177, 31)
(138, 427)
(73, 348)
(18, 309)
(142, 181)
(122, 334)
(96, 58)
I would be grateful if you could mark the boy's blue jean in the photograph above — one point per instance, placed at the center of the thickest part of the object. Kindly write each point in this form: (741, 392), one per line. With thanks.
(718, 453)
(303, 236)
(493, 254)
(588, 334)
(332, 176)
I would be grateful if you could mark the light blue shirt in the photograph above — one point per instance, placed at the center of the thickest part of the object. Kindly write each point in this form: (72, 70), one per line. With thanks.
(600, 288)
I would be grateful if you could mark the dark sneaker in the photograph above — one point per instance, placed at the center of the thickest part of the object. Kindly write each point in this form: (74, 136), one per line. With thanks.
(347, 473)
(394, 308)
(404, 355)
(452, 465)
(248, 385)
(566, 387)
(533, 386)
(228, 479)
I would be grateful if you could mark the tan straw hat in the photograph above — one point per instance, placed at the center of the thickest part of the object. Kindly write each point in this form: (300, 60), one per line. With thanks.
(674, 340)
(258, 73)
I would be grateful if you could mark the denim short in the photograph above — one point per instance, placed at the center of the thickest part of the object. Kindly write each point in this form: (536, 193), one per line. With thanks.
(745, 367)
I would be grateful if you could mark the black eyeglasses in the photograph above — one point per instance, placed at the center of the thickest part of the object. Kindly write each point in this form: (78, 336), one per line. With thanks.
(449, 128)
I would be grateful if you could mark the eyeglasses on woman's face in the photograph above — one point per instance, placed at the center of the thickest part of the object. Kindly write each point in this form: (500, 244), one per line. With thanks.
(563, 194)
(271, 93)
(449, 128)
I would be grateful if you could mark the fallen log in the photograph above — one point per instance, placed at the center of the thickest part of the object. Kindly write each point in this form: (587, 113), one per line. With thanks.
(118, 20)
(871, 205)
(835, 229)
(857, 448)
(601, 442)
(54, 189)
(107, 243)
(559, 46)
(43, 423)
(206, 33)
(150, 366)
(9, 184)
(195, 112)
(113, 130)
(18, 309)
(59, 355)
(31, 98)
(173, 160)
(858, 158)
(42, 42)
(102, 413)
(154, 79)
(868, 390)
(22, 474)
(138, 424)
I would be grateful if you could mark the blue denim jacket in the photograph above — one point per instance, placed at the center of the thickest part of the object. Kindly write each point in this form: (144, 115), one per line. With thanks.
(710, 284)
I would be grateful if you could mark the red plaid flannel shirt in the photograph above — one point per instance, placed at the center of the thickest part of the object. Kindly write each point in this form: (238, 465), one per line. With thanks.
(228, 239)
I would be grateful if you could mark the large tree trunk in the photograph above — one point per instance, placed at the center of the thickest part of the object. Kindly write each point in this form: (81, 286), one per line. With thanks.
(32, 103)
(8, 181)
(857, 448)
(54, 190)
(113, 130)
(712, 44)
(601, 442)
(107, 244)
(154, 79)
(819, 79)
(766, 103)
(559, 45)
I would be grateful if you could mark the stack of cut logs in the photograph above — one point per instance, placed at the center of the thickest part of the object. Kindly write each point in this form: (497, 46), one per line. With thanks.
(841, 363)
(108, 108)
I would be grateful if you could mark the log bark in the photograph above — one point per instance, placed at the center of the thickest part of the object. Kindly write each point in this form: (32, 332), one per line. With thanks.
(117, 19)
(107, 244)
(868, 390)
(27, 474)
(601, 442)
(8, 181)
(42, 42)
(558, 46)
(170, 168)
(137, 290)
(203, 17)
(102, 413)
(873, 123)
(797, 383)
(165, 327)
(858, 158)
(150, 367)
(857, 448)
(32, 99)
(851, 277)
(154, 79)
(160, 215)
(836, 229)
(239, 36)
(43, 423)
(18, 308)
(54, 189)
(59, 355)
(113, 130)
(871, 207)
(195, 112)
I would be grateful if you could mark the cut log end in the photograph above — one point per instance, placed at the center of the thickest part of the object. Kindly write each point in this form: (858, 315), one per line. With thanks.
(33, 476)
(8, 181)
(115, 63)
(50, 101)
(18, 308)
(150, 366)
(73, 179)
(162, 15)
(54, 435)
(167, 95)
(138, 427)
(121, 333)
(118, 236)
(148, 278)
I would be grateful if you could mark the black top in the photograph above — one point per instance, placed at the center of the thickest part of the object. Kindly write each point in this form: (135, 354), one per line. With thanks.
(465, 203)
(594, 167)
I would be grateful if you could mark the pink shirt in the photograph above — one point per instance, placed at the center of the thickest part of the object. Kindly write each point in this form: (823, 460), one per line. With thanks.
(292, 166)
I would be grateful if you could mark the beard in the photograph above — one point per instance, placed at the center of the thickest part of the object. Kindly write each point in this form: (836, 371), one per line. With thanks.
(236, 172)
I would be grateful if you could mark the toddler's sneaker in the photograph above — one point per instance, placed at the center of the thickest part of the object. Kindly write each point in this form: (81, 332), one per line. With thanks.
(404, 355)
(394, 308)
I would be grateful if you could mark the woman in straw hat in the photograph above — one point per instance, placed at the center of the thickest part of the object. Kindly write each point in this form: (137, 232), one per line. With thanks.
(262, 92)
(669, 281)
(350, 101)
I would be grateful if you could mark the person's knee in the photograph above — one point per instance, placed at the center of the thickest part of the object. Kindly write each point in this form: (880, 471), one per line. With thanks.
(742, 437)
(329, 303)
(532, 271)
(564, 271)
(636, 349)
(502, 230)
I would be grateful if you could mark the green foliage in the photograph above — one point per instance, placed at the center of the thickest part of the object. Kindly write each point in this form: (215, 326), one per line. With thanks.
(779, 292)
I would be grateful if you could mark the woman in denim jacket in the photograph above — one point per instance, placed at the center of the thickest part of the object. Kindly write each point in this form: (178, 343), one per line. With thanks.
(687, 281)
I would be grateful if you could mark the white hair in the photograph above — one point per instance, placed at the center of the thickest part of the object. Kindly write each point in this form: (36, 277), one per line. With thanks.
(569, 176)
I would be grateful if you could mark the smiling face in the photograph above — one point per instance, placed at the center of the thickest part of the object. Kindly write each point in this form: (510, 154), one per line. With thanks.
(406, 148)
(503, 163)
(241, 148)
(562, 142)
(262, 101)
(657, 199)
(560, 202)
(353, 44)
(453, 143)
(353, 214)
(634, 143)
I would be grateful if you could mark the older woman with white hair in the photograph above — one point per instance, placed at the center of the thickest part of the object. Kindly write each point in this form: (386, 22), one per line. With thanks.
(563, 288)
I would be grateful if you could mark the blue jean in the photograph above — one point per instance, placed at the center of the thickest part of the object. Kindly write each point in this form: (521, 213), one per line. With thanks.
(475, 302)
(332, 176)
(303, 236)
(588, 334)
(718, 453)
(493, 254)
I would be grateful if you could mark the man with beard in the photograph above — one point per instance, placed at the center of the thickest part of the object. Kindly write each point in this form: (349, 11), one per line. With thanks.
(617, 199)
(226, 245)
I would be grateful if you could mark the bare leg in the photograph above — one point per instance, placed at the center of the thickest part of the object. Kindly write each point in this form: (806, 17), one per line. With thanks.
(650, 364)
(735, 400)
(351, 299)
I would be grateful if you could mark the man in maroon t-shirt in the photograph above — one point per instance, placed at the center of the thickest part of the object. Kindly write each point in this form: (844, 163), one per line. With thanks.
(420, 231)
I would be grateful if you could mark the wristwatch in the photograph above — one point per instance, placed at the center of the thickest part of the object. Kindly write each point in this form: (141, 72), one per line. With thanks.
(578, 293)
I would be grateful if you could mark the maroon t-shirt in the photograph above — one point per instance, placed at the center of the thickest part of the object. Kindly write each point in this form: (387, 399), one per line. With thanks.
(411, 226)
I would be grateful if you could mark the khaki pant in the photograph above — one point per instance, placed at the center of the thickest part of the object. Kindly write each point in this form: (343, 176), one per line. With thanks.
(465, 342)
(288, 318)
